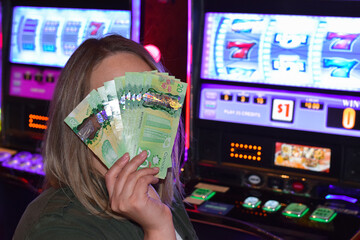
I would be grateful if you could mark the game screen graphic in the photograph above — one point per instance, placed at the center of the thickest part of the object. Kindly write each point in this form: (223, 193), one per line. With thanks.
(304, 157)
(319, 52)
(48, 36)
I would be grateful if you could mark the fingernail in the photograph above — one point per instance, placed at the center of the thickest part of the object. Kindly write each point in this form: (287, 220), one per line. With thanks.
(156, 169)
(143, 153)
(126, 157)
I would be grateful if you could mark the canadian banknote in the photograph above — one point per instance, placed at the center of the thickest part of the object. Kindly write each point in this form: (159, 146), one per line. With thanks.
(90, 122)
(140, 111)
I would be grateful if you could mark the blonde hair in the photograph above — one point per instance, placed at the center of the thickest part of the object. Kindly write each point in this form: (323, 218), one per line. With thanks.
(68, 161)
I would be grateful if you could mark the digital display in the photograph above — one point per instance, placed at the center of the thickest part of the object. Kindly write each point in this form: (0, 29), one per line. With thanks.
(318, 52)
(304, 111)
(304, 157)
(347, 118)
(245, 151)
(48, 36)
(33, 82)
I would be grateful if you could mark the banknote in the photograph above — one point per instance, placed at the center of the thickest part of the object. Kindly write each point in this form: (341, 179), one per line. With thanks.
(124, 97)
(158, 115)
(116, 126)
(91, 124)
(136, 112)
(113, 103)
(177, 81)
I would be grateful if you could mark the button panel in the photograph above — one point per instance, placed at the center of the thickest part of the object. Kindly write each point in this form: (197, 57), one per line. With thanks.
(251, 202)
(296, 210)
(322, 214)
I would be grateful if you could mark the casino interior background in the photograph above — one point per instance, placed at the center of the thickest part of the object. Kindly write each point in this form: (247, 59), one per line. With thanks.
(272, 110)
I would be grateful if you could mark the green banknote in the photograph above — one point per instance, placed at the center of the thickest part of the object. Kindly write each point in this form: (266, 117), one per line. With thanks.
(166, 75)
(124, 96)
(136, 112)
(90, 122)
(113, 102)
(160, 109)
(114, 123)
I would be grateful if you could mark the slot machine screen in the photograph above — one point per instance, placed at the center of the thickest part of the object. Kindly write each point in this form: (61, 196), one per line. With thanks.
(320, 53)
(45, 36)
(48, 36)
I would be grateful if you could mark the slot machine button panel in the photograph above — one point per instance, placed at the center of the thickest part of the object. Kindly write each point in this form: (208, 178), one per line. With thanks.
(251, 202)
(271, 206)
(322, 214)
(295, 210)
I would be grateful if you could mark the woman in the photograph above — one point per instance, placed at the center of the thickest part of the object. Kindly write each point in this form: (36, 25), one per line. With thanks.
(86, 200)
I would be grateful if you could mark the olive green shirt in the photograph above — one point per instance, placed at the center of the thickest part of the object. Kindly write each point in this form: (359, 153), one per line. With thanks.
(57, 214)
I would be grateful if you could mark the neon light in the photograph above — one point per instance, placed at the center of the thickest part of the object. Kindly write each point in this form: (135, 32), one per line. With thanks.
(135, 20)
(25, 161)
(33, 117)
(188, 80)
(341, 197)
(154, 51)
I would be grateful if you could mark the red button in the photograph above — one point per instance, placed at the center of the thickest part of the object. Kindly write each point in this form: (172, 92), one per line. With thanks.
(298, 186)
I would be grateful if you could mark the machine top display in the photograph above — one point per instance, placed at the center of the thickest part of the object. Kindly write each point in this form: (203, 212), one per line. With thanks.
(47, 36)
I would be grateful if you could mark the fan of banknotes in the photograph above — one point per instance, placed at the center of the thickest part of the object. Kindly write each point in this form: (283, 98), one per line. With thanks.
(136, 112)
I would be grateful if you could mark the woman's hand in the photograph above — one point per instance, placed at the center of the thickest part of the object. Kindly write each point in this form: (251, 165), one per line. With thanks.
(131, 195)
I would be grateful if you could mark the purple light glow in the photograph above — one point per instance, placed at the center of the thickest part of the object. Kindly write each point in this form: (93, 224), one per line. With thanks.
(135, 21)
(4, 156)
(341, 197)
(25, 161)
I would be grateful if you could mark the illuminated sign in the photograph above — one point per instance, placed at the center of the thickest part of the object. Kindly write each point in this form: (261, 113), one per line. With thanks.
(37, 121)
(245, 151)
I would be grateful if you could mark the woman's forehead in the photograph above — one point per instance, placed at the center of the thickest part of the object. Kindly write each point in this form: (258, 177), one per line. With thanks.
(115, 66)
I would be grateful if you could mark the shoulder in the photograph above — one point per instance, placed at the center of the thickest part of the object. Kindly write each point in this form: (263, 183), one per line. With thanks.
(57, 214)
(51, 211)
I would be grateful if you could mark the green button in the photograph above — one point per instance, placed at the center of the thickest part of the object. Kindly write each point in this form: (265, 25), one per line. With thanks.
(202, 193)
(251, 202)
(296, 210)
(322, 214)
(271, 206)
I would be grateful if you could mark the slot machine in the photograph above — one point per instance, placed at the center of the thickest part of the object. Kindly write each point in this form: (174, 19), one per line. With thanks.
(40, 37)
(274, 117)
